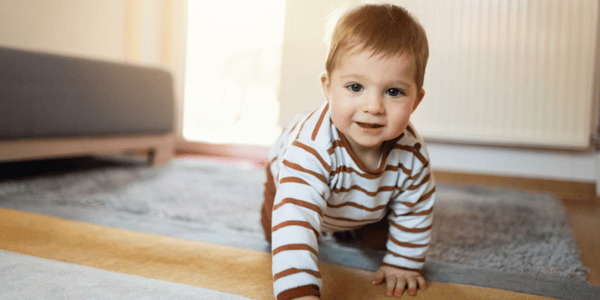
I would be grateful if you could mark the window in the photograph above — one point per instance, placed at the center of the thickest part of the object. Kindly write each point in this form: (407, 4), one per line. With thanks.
(232, 71)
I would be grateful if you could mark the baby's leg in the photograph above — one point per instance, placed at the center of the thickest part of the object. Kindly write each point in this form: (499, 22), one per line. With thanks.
(374, 235)
(266, 211)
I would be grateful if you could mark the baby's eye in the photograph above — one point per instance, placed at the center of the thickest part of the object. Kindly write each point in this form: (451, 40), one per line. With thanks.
(394, 92)
(355, 87)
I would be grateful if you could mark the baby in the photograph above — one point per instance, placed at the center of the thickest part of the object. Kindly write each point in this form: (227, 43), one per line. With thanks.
(356, 163)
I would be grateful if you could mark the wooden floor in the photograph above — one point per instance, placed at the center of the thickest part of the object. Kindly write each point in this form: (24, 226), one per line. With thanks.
(585, 222)
(583, 207)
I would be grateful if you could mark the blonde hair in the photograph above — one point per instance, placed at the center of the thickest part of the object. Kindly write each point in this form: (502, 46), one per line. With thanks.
(381, 28)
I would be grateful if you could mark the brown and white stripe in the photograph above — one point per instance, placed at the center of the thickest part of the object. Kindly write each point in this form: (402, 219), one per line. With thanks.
(322, 185)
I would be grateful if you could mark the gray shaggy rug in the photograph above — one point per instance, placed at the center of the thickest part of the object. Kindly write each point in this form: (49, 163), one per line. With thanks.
(495, 229)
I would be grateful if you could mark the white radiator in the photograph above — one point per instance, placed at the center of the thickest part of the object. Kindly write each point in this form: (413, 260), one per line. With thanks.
(514, 72)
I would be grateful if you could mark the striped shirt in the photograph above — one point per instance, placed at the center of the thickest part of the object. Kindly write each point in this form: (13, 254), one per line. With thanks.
(322, 186)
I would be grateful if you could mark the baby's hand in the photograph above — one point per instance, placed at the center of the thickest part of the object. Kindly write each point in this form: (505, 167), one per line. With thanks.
(398, 279)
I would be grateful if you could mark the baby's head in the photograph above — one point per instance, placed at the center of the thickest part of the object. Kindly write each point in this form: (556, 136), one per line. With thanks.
(384, 29)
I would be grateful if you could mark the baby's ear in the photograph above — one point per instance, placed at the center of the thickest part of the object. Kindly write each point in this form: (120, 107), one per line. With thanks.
(325, 84)
(420, 96)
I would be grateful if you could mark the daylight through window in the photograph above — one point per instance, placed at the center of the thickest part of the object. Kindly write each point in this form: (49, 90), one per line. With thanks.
(232, 71)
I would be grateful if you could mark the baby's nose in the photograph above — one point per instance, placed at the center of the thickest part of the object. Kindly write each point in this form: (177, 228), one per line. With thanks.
(373, 104)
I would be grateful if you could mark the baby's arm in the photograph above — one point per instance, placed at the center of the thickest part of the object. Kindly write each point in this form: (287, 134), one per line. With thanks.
(296, 223)
(410, 222)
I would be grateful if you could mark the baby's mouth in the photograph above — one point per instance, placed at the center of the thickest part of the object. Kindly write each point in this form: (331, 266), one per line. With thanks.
(369, 125)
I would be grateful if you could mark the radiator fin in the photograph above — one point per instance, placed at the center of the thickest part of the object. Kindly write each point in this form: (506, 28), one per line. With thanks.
(516, 72)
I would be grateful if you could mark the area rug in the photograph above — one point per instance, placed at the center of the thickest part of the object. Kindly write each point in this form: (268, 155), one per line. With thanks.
(51, 258)
(486, 237)
(496, 229)
(30, 277)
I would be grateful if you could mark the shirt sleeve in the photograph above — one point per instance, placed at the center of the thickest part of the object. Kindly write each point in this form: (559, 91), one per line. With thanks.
(296, 223)
(411, 216)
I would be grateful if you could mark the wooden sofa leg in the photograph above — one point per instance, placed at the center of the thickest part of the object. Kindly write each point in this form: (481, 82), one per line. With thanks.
(161, 155)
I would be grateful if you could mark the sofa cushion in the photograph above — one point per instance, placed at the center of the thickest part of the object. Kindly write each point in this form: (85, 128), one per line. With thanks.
(49, 95)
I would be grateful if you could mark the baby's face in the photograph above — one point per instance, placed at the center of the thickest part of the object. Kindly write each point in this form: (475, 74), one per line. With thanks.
(371, 97)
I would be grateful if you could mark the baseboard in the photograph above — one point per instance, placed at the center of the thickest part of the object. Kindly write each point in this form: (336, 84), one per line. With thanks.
(255, 153)
(567, 190)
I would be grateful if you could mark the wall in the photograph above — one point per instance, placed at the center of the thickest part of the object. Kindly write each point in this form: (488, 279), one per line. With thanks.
(304, 54)
(82, 28)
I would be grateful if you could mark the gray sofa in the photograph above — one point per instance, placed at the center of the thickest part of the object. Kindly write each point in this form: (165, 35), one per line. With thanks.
(57, 106)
